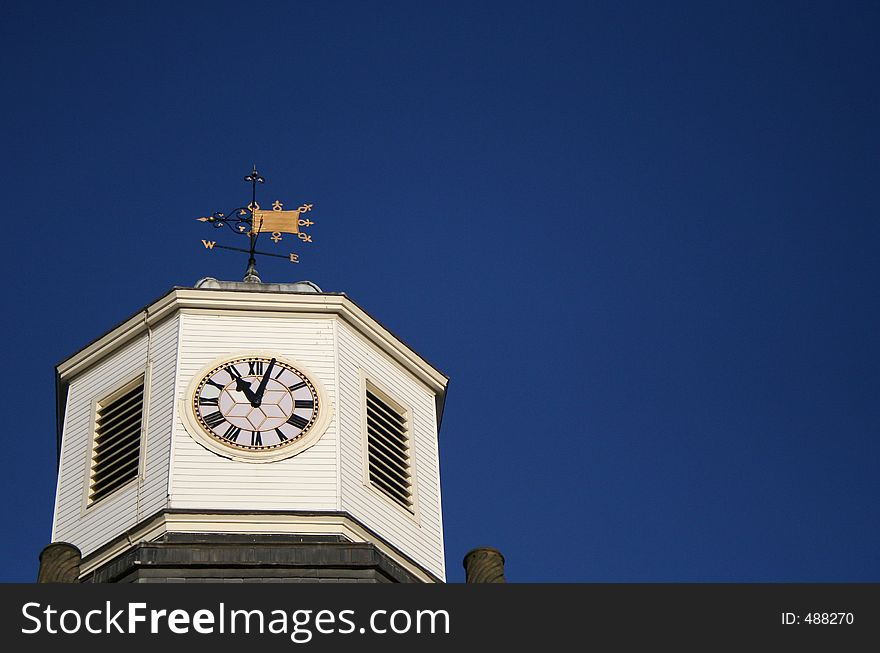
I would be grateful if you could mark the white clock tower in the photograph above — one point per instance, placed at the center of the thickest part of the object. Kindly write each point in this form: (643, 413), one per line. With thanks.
(248, 432)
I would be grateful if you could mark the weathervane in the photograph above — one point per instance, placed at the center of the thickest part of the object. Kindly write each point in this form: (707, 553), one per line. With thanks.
(251, 221)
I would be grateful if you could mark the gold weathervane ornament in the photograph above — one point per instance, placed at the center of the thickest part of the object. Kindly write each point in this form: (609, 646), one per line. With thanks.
(278, 221)
(251, 221)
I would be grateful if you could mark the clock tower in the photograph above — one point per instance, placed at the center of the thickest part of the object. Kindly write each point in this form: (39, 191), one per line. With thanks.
(248, 432)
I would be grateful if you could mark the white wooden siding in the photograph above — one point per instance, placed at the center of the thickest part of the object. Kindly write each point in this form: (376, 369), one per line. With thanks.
(421, 538)
(160, 418)
(205, 481)
(90, 528)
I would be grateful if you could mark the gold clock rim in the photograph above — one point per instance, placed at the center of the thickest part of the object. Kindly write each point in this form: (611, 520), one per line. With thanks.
(251, 448)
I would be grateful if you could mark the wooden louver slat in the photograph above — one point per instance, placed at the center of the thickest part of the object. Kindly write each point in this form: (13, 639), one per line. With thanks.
(389, 460)
(395, 463)
(125, 433)
(394, 422)
(121, 404)
(116, 450)
(379, 446)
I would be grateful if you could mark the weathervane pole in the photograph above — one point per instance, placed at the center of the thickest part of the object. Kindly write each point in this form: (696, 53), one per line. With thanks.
(251, 275)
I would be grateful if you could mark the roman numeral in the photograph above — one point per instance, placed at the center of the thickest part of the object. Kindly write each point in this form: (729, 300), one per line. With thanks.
(281, 436)
(255, 438)
(297, 421)
(215, 384)
(233, 372)
(280, 372)
(214, 419)
(255, 367)
(209, 401)
(303, 403)
(232, 433)
(301, 384)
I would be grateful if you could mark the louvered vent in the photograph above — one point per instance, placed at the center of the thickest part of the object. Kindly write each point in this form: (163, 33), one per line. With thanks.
(388, 449)
(116, 452)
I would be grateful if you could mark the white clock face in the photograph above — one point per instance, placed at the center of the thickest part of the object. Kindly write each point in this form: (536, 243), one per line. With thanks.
(255, 403)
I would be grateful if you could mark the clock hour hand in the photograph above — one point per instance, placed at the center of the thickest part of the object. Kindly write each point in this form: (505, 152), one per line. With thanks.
(243, 386)
(262, 387)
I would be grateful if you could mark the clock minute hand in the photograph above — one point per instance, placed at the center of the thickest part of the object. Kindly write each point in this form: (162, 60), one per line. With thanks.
(262, 387)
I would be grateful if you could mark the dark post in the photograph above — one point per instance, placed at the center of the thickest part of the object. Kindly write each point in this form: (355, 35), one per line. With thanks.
(484, 565)
(59, 563)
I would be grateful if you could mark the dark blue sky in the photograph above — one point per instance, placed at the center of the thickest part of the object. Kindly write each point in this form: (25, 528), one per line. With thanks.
(641, 239)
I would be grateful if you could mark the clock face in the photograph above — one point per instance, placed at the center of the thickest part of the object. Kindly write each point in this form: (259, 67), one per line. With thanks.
(255, 403)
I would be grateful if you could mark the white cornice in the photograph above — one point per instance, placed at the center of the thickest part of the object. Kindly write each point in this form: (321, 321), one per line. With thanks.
(203, 299)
